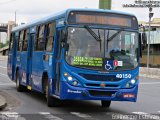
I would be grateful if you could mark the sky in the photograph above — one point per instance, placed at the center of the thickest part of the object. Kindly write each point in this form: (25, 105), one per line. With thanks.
(28, 10)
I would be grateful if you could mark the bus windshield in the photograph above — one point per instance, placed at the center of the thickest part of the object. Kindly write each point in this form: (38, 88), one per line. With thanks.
(102, 49)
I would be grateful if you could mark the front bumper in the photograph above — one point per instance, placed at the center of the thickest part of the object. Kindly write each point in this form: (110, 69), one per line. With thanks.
(69, 92)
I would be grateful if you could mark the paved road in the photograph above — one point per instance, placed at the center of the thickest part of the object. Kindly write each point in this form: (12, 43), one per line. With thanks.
(32, 106)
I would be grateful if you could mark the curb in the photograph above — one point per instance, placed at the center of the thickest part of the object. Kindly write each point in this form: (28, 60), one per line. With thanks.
(3, 102)
(3, 58)
(150, 76)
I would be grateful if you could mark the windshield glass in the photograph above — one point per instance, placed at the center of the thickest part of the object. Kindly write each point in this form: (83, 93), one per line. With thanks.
(102, 49)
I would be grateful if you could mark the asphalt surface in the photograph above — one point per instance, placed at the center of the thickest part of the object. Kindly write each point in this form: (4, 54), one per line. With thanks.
(3, 102)
(32, 105)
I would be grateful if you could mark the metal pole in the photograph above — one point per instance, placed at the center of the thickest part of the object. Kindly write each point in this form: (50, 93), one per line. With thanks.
(15, 19)
(149, 36)
(148, 42)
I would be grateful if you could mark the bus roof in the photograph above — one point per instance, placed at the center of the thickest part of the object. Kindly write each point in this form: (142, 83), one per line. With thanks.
(63, 14)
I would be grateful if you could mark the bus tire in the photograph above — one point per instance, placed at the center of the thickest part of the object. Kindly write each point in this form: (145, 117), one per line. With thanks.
(51, 101)
(105, 103)
(19, 87)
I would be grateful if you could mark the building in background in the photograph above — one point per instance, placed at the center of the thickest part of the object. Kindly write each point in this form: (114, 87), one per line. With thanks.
(5, 28)
(154, 43)
(11, 24)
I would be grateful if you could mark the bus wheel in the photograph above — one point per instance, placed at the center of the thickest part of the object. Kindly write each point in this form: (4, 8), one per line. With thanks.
(105, 103)
(19, 87)
(51, 101)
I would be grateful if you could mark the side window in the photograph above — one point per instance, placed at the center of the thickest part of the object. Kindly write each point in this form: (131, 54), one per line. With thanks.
(20, 41)
(25, 41)
(51, 28)
(40, 43)
(11, 42)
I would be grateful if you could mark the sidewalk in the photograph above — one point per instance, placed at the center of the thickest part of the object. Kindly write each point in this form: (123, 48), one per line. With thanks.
(2, 102)
(3, 58)
(150, 72)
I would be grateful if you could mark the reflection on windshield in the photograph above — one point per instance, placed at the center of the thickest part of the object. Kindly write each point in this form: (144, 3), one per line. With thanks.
(116, 47)
(82, 43)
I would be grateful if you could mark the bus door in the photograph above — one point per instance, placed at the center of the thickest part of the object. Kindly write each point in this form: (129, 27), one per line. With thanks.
(23, 43)
(31, 37)
(58, 62)
(50, 55)
(12, 56)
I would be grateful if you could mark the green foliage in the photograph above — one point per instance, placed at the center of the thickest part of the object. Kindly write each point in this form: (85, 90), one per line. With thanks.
(1, 45)
(105, 4)
(4, 44)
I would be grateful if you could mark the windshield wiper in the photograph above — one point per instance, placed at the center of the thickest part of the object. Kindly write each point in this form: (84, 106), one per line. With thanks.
(98, 38)
(113, 36)
(92, 33)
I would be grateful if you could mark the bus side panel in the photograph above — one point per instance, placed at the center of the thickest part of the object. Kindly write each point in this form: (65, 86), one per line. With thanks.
(30, 52)
(18, 56)
(23, 67)
(37, 70)
(9, 65)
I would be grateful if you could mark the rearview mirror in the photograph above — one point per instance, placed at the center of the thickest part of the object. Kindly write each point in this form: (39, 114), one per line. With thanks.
(144, 41)
(140, 44)
(67, 46)
(63, 36)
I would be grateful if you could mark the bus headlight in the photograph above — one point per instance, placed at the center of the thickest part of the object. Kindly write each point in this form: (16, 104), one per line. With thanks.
(71, 80)
(131, 83)
(75, 83)
(65, 74)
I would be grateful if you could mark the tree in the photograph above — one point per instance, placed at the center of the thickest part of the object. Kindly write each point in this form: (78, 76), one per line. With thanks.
(4, 44)
(1, 45)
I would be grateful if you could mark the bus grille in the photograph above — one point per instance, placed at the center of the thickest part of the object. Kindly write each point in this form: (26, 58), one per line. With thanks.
(98, 85)
(102, 93)
(110, 78)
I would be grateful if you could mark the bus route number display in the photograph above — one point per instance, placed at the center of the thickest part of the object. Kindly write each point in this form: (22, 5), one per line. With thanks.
(100, 19)
(104, 20)
(88, 61)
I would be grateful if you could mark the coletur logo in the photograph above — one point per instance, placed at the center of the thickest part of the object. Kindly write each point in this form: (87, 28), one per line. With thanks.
(102, 85)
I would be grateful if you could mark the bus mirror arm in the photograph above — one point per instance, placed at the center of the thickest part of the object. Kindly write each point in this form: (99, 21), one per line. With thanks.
(67, 47)
(143, 37)
(144, 41)
(140, 44)
(63, 36)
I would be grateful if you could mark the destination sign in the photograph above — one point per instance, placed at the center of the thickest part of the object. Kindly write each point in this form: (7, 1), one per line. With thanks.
(101, 19)
(88, 61)
(105, 20)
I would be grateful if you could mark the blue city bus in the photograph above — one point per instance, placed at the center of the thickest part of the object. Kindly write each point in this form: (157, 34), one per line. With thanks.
(78, 54)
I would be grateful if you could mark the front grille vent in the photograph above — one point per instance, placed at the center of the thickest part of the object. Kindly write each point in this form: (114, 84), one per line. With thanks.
(98, 85)
(93, 77)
